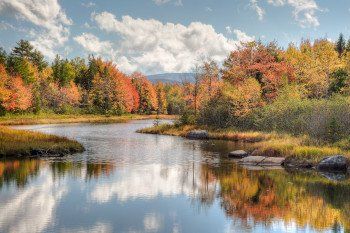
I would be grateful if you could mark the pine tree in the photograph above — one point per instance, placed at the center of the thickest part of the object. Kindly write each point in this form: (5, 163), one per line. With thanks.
(25, 51)
(340, 45)
(347, 48)
(3, 56)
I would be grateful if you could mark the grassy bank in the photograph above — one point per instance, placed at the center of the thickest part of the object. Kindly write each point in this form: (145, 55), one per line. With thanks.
(30, 119)
(21, 143)
(300, 150)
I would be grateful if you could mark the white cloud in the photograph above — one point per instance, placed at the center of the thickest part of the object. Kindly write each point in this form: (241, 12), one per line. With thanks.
(154, 47)
(242, 36)
(46, 14)
(208, 9)
(93, 44)
(259, 11)
(304, 11)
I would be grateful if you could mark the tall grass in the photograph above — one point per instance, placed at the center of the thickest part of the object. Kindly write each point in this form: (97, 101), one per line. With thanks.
(17, 143)
(52, 118)
(273, 144)
(324, 120)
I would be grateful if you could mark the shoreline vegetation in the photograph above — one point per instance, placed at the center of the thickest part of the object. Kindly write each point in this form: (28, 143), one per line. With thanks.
(300, 152)
(33, 119)
(23, 143)
(299, 95)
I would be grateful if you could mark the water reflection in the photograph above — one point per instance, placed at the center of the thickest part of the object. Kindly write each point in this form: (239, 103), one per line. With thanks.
(148, 183)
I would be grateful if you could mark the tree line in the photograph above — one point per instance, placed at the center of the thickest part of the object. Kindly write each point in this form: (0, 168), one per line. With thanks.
(259, 86)
(28, 83)
(302, 89)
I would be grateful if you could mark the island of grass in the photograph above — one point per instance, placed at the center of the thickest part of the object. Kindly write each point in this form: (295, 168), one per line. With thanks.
(21, 143)
(300, 152)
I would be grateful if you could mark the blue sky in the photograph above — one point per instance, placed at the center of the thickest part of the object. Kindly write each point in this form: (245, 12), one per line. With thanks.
(156, 36)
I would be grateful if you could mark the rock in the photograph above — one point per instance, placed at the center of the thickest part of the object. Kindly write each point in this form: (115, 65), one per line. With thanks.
(262, 168)
(272, 161)
(252, 160)
(334, 163)
(261, 161)
(238, 154)
(198, 134)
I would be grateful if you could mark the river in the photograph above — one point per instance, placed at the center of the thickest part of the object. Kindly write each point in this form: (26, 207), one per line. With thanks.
(130, 182)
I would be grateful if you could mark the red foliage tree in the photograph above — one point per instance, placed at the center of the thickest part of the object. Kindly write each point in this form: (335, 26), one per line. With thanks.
(112, 90)
(146, 91)
(264, 63)
(21, 96)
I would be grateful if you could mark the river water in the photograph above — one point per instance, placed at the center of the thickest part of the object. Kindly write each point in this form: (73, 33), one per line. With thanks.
(130, 182)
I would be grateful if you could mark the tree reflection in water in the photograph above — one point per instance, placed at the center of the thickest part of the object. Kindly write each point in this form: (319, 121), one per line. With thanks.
(303, 198)
(19, 172)
(306, 199)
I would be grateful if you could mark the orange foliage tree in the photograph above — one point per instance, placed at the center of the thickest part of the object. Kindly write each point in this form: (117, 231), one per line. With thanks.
(264, 63)
(112, 90)
(161, 98)
(21, 96)
(146, 91)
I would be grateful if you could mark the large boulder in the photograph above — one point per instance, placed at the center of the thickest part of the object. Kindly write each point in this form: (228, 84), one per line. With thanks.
(198, 134)
(334, 163)
(238, 154)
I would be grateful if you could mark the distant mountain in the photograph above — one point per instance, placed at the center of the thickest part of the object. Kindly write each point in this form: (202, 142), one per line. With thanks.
(171, 77)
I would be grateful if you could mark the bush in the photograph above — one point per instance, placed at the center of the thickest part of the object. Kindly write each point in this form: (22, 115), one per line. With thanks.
(188, 117)
(325, 120)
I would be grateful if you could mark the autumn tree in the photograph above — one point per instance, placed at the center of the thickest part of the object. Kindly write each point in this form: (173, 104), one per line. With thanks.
(313, 64)
(161, 98)
(175, 98)
(263, 63)
(20, 98)
(210, 79)
(147, 93)
(112, 91)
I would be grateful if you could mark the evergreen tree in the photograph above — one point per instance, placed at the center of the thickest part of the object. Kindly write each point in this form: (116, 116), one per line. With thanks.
(3, 56)
(340, 45)
(347, 48)
(25, 51)
(63, 71)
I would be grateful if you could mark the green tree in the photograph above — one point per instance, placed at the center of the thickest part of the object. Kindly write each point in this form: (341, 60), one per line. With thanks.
(3, 56)
(347, 47)
(340, 45)
(63, 71)
(24, 50)
(338, 81)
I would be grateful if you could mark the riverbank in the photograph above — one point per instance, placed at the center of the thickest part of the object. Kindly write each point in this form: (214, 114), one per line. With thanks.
(22, 143)
(33, 119)
(299, 151)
